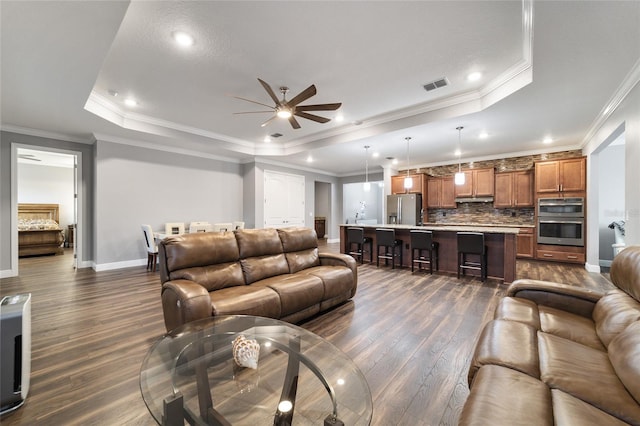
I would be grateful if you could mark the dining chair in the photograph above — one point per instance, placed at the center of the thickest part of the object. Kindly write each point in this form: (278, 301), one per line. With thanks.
(174, 228)
(200, 227)
(222, 227)
(152, 248)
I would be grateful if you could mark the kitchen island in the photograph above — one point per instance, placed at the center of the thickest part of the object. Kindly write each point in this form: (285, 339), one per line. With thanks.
(500, 242)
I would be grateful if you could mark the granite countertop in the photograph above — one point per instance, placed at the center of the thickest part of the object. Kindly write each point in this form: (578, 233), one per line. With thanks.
(487, 229)
(500, 225)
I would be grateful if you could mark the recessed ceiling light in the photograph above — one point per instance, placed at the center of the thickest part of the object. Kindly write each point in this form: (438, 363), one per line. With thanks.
(547, 140)
(457, 153)
(483, 135)
(339, 118)
(376, 154)
(183, 39)
(395, 161)
(474, 76)
(267, 139)
(130, 102)
(309, 159)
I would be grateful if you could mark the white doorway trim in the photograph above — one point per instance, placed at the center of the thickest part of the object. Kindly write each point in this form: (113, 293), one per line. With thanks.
(78, 237)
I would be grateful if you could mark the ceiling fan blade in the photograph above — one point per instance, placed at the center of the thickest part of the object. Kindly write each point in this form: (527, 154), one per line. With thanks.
(253, 112)
(270, 91)
(303, 96)
(294, 122)
(264, 124)
(312, 117)
(319, 107)
(253, 102)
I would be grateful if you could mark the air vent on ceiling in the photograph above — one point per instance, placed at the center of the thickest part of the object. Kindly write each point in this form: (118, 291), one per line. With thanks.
(276, 135)
(436, 84)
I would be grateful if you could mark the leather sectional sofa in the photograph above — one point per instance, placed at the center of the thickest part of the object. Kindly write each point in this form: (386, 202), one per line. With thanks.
(557, 354)
(275, 273)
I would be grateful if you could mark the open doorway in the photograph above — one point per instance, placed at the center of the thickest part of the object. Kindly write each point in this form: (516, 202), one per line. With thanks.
(611, 200)
(45, 177)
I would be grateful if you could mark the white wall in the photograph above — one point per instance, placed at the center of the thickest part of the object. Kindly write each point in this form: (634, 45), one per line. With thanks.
(48, 185)
(611, 197)
(626, 116)
(137, 185)
(353, 198)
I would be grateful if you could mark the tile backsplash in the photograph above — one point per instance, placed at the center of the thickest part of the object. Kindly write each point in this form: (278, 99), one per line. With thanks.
(481, 213)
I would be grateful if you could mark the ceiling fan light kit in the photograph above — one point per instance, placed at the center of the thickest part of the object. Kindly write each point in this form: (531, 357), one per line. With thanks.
(290, 109)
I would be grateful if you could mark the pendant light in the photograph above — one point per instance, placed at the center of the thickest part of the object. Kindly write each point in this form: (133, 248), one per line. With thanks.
(367, 185)
(459, 176)
(408, 182)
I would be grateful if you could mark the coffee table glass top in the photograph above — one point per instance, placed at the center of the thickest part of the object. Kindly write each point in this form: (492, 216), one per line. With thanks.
(190, 375)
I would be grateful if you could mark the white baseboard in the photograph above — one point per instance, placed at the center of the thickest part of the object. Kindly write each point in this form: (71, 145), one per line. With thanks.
(8, 273)
(333, 240)
(119, 265)
(592, 268)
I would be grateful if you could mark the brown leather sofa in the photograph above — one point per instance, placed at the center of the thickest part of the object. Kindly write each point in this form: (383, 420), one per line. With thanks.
(557, 354)
(275, 273)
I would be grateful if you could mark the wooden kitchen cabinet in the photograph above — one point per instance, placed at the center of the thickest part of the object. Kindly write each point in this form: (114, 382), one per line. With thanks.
(514, 189)
(441, 192)
(525, 243)
(418, 184)
(477, 183)
(558, 176)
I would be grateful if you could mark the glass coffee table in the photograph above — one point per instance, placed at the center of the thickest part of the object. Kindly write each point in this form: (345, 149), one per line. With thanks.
(190, 375)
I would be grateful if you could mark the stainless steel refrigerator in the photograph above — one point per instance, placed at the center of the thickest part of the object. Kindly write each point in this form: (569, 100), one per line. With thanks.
(404, 209)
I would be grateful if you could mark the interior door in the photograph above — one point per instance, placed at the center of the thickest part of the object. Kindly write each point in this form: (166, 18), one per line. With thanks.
(283, 200)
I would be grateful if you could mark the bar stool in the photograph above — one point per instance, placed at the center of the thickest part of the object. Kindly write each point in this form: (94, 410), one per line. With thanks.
(356, 236)
(423, 241)
(387, 238)
(472, 243)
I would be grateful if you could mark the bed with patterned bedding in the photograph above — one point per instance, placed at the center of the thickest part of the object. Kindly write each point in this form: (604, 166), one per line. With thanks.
(39, 231)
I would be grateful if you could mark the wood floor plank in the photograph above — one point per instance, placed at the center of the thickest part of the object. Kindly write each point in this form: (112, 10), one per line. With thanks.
(412, 336)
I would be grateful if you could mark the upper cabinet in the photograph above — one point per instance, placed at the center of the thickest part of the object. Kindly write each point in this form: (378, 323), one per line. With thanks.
(513, 189)
(441, 192)
(477, 183)
(418, 184)
(559, 176)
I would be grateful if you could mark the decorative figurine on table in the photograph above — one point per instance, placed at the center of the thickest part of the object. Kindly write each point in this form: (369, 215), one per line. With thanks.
(246, 352)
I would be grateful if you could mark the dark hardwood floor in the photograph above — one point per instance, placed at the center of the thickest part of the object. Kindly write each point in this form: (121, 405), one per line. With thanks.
(412, 336)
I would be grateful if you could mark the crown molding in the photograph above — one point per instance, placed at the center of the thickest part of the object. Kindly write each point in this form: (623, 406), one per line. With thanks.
(43, 134)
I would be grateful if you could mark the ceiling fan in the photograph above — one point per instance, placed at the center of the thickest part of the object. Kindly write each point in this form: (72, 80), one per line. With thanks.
(289, 109)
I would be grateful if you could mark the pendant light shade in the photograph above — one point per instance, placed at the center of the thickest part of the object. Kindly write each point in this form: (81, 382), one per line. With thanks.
(367, 185)
(408, 182)
(459, 178)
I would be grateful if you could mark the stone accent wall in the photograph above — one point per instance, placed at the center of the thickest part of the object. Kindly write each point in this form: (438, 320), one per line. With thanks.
(501, 165)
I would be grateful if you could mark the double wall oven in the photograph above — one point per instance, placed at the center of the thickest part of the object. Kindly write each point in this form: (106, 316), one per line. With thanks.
(561, 221)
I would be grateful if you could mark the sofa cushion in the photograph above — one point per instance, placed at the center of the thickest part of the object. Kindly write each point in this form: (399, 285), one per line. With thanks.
(212, 277)
(301, 248)
(586, 374)
(258, 242)
(502, 396)
(509, 344)
(296, 291)
(517, 309)
(200, 249)
(624, 353)
(246, 300)
(259, 268)
(613, 313)
(337, 280)
(568, 410)
(570, 326)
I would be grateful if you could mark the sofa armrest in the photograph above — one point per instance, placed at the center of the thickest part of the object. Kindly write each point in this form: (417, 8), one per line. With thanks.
(341, 259)
(576, 300)
(184, 301)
